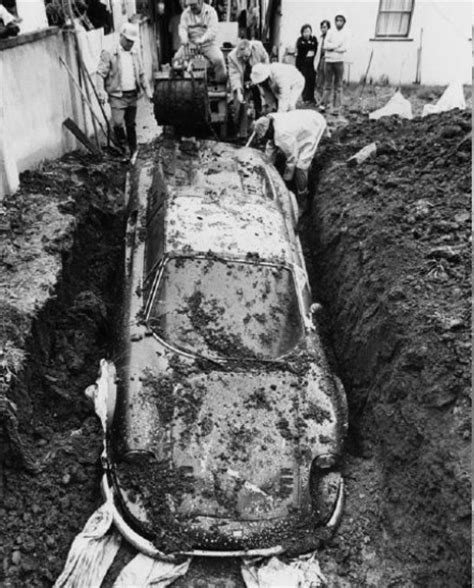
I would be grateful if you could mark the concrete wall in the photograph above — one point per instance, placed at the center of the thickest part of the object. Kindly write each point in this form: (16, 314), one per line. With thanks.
(36, 100)
(447, 45)
(37, 95)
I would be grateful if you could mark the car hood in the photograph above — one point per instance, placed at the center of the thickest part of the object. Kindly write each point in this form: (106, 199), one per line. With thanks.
(242, 442)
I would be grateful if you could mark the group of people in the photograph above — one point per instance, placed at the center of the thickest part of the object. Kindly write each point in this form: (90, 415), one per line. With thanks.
(276, 88)
(321, 62)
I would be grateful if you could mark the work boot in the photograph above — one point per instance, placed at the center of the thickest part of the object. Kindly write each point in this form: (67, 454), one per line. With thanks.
(132, 138)
(121, 140)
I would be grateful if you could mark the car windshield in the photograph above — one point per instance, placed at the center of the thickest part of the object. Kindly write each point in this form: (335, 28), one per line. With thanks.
(223, 309)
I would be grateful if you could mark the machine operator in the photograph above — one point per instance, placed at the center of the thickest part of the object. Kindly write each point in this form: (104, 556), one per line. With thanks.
(198, 30)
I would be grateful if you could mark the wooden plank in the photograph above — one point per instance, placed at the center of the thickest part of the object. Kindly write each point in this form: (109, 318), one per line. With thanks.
(82, 137)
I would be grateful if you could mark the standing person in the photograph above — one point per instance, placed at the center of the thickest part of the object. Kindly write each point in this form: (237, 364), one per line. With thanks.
(240, 63)
(319, 60)
(198, 29)
(297, 135)
(335, 46)
(306, 48)
(120, 74)
(280, 83)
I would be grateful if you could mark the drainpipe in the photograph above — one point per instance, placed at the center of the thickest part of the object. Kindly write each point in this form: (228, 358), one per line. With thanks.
(9, 177)
(418, 59)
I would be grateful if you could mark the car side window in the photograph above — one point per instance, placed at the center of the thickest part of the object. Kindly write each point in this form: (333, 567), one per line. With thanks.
(155, 228)
(154, 247)
(158, 192)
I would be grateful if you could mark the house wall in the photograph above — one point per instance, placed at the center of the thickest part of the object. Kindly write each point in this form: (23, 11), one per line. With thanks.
(36, 99)
(37, 95)
(446, 45)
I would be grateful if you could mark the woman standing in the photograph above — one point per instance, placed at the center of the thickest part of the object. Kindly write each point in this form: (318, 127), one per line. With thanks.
(319, 59)
(306, 48)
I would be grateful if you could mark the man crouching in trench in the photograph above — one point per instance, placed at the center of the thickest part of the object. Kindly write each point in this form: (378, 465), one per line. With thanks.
(296, 134)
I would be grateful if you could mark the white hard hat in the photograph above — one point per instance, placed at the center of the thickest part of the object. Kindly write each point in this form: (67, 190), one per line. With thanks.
(260, 72)
(130, 31)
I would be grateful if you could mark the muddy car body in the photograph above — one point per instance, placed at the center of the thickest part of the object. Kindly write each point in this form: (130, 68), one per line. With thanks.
(227, 431)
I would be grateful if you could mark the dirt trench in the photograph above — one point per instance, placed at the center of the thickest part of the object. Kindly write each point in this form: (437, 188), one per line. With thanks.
(61, 323)
(390, 256)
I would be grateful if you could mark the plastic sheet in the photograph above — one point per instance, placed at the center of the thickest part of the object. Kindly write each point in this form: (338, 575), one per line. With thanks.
(143, 571)
(453, 97)
(303, 572)
(397, 105)
(92, 552)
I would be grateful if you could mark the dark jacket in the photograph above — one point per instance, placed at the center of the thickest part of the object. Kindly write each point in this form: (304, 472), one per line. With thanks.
(305, 51)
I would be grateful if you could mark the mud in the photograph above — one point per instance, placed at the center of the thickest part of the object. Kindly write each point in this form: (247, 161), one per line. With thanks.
(390, 245)
(60, 250)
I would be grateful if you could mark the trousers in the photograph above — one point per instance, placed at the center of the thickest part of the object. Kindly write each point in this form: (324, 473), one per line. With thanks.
(333, 74)
(215, 57)
(124, 112)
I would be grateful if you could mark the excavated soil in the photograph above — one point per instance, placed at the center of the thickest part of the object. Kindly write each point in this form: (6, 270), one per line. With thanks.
(390, 244)
(60, 249)
(389, 253)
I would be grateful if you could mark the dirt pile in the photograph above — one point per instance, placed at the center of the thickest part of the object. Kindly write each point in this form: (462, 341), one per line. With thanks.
(61, 245)
(390, 241)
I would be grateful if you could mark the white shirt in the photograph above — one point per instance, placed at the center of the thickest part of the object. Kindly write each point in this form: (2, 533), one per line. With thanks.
(336, 44)
(127, 71)
(199, 26)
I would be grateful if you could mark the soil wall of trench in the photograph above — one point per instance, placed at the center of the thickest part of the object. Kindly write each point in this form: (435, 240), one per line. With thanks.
(390, 247)
(59, 254)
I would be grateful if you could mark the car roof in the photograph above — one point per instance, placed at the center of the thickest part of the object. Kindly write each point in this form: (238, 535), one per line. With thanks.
(222, 200)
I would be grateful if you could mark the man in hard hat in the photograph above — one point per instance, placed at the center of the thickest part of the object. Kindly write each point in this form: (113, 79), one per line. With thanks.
(336, 44)
(121, 76)
(198, 29)
(296, 134)
(241, 60)
(280, 83)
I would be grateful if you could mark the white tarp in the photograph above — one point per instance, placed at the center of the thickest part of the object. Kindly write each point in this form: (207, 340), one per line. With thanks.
(303, 572)
(397, 105)
(453, 97)
(146, 571)
(92, 552)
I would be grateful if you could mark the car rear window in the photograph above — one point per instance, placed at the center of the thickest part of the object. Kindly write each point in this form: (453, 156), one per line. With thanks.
(221, 309)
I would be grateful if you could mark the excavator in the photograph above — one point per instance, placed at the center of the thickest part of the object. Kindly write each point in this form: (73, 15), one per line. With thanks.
(187, 97)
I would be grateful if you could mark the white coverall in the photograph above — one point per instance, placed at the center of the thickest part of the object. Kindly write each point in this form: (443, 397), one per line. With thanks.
(286, 84)
(297, 134)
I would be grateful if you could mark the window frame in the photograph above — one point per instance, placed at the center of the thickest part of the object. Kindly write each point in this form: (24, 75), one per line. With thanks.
(381, 12)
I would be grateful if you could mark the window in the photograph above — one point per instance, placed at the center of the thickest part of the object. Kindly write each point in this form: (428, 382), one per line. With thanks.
(223, 309)
(394, 18)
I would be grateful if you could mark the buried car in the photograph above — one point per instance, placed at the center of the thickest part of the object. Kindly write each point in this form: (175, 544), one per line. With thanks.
(225, 428)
